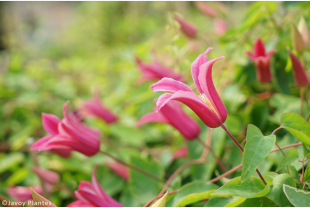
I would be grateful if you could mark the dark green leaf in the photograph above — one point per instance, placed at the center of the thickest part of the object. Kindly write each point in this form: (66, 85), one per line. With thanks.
(255, 202)
(290, 157)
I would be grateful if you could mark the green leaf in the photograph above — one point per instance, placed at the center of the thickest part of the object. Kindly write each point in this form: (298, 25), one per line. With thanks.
(255, 202)
(307, 174)
(161, 202)
(193, 192)
(236, 202)
(142, 187)
(218, 202)
(290, 157)
(292, 172)
(298, 197)
(253, 187)
(276, 194)
(11, 160)
(256, 150)
(297, 126)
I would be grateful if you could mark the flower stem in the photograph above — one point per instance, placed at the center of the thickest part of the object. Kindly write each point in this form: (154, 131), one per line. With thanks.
(237, 143)
(133, 167)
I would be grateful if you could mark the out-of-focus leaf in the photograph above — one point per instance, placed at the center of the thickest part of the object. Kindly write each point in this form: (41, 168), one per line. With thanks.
(17, 176)
(256, 150)
(218, 202)
(128, 135)
(11, 160)
(297, 126)
(276, 194)
(193, 192)
(236, 202)
(290, 157)
(307, 174)
(251, 188)
(298, 197)
(255, 202)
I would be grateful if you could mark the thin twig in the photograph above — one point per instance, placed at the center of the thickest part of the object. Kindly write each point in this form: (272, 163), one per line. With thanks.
(133, 167)
(218, 160)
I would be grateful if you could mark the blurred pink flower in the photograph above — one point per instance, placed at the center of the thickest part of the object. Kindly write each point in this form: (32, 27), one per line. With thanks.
(261, 61)
(94, 107)
(180, 153)
(68, 134)
(48, 176)
(91, 194)
(119, 169)
(22, 193)
(220, 26)
(299, 72)
(155, 71)
(188, 28)
(206, 8)
(172, 114)
(208, 106)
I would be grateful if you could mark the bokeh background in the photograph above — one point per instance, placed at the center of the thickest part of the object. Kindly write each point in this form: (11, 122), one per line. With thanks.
(52, 52)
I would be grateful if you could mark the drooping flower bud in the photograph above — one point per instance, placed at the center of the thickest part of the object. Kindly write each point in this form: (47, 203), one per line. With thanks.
(303, 30)
(299, 72)
(298, 42)
(188, 28)
(206, 8)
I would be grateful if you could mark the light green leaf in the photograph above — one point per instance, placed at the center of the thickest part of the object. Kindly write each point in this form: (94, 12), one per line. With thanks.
(253, 187)
(193, 192)
(292, 172)
(11, 160)
(256, 150)
(307, 174)
(297, 126)
(161, 202)
(276, 194)
(218, 202)
(236, 202)
(298, 197)
(290, 157)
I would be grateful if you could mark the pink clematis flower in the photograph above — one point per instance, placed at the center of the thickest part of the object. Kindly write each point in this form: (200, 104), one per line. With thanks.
(119, 169)
(94, 107)
(48, 176)
(23, 193)
(155, 71)
(299, 72)
(68, 134)
(188, 28)
(172, 114)
(91, 194)
(180, 153)
(208, 106)
(206, 8)
(261, 61)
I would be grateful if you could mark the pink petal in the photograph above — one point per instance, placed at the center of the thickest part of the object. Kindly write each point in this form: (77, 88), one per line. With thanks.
(47, 175)
(41, 143)
(23, 193)
(187, 27)
(170, 85)
(259, 48)
(198, 106)
(162, 100)
(299, 72)
(119, 169)
(206, 83)
(152, 117)
(50, 123)
(61, 152)
(201, 59)
(180, 120)
(206, 8)
(180, 153)
(97, 187)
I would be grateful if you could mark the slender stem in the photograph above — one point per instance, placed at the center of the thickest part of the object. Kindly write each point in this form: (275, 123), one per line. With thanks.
(223, 175)
(237, 143)
(280, 149)
(302, 97)
(274, 131)
(218, 160)
(308, 118)
(180, 169)
(132, 167)
(34, 157)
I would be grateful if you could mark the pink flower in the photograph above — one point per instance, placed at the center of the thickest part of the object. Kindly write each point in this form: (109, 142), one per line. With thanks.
(206, 8)
(208, 106)
(172, 114)
(119, 169)
(68, 134)
(23, 193)
(91, 194)
(180, 153)
(188, 28)
(299, 72)
(155, 71)
(261, 61)
(48, 176)
(220, 26)
(94, 107)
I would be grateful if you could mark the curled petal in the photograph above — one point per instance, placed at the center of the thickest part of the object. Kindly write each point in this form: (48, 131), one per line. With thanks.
(170, 85)
(201, 59)
(206, 83)
(50, 123)
(259, 48)
(162, 100)
(152, 117)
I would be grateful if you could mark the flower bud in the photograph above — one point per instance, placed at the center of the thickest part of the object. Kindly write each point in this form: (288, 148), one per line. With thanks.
(298, 42)
(303, 30)
(299, 72)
